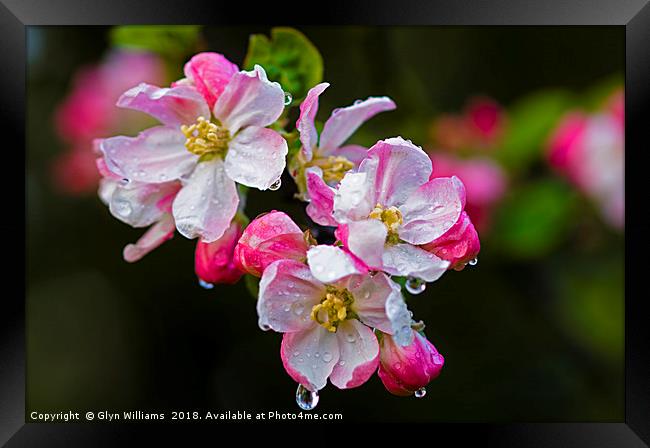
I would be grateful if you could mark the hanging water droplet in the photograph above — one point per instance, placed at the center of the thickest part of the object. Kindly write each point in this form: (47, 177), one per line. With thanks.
(415, 285)
(266, 327)
(205, 285)
(276, 185)
(421, 392)
(357, 102)
(287, 98)
(473, 262)
(306, 399)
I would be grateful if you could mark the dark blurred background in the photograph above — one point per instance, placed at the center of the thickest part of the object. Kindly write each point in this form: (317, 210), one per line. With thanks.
(525, 338)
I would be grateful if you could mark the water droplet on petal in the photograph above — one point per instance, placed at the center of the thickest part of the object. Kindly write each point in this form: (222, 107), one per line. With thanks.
(415, 285)
(205, 285)
(421, 392)
(473, 262)
(276, 185)
(327, 357)
(397, 366)
(287, 98)
(357, 102)
(266, 327)
(123, 208)
(350, 337)
(298, 309)
(341, 363)
(306, 399)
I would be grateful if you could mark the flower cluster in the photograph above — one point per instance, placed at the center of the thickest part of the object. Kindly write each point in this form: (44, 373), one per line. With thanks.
(340, 307)
(589, 151)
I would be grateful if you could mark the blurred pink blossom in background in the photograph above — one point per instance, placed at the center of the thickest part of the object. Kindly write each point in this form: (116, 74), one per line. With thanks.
(89, 112)
(479, 126)
(485, 183)
(589, 150)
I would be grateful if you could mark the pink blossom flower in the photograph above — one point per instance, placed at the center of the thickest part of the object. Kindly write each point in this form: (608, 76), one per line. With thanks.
(390, 207)
(89, 112)
(268, 238)
(485, 183)
(589, 150)
(406, 370)
(325, 155)
(208, 150)
(214, 262)
(139, 205)
(327, 310)
(481, 125)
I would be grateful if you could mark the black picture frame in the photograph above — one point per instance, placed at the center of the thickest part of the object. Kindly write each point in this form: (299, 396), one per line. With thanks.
(634, 15)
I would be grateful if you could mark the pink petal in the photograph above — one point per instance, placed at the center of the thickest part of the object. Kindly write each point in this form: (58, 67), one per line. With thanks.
(321, 198)
(354, 153)
(156, 155)
(432, 210)
(299, 358)
(171, 106)
(408, 260)
(205, 206)
(139, 204)
(459, 245)
(213, 262)
(330, 263)
(370, 296)
(107, 187)
(256, 157)
(343, 122)
(395, 168)
(366, 239)
(359, 355)
(288, 292)
(305, 123)
(152, 238)
(249, 99)
(268, 238)
(353, 199)
(210, 73)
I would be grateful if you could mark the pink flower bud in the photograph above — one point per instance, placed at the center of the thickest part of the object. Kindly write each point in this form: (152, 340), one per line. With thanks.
(270, 237)
(210, 73)
(404, 370)
(486, 119)
(214, 262)
(459, 245)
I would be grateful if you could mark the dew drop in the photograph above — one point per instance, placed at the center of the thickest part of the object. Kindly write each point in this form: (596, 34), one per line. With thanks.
(162, 176)
(205, 285)
(296, 353)
(357, 102)
(266, 327)
(421, 392)
(276, 185)
(123, 208)
(327, 357)
(473, 262)
(350, 337)
(306, 399)
(341, 363)
(298, 309)
(415, 285)
(397, 366)
(287, 98)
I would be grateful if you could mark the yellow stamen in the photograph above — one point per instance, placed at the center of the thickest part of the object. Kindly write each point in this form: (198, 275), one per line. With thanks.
(205, 137)
(392, 219)
(334, 167)
(335, 307)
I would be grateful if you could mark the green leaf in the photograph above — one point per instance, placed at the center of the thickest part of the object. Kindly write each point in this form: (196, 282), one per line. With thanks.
(531, 121)
(534, 218)
(288, 58)
(174, 41)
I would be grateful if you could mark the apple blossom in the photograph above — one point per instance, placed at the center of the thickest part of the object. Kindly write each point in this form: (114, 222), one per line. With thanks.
(208, 150)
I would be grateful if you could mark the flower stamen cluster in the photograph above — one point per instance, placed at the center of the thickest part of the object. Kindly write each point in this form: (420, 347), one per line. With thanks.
(335, 307)
(205, 137)
(392, 218)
